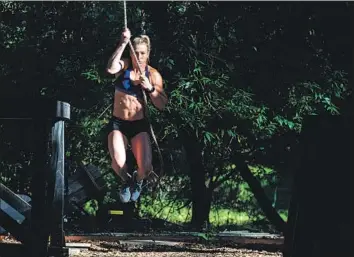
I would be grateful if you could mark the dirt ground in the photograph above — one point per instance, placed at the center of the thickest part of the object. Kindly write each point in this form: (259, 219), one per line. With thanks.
(170, 249)
(165, 248)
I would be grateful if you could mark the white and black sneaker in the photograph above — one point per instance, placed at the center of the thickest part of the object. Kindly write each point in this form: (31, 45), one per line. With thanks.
(124, 192)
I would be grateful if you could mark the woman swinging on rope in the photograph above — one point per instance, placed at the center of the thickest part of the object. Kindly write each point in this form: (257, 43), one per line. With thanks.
(128, 123)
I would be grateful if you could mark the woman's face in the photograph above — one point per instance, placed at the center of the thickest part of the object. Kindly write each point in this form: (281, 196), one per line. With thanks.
(141, 52)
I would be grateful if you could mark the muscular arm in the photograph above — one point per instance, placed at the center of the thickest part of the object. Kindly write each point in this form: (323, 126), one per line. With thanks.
(115, 64)
(158, 97)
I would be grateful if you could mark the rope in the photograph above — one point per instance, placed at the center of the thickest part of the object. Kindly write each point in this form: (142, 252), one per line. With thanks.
(125, 14)
(146, 114)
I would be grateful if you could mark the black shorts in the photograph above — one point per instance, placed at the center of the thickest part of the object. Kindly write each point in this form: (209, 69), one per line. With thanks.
(129, 128)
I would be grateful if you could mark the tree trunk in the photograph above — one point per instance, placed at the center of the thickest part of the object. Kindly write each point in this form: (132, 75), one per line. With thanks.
(264, 202)
(201, 203)
(201, 195)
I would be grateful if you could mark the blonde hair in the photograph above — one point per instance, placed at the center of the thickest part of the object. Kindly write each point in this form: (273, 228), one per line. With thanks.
(143, 39)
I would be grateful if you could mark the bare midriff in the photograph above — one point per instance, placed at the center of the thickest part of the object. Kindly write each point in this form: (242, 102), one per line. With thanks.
(127, 107)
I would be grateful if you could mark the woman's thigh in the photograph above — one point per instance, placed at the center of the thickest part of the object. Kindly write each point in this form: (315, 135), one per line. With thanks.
(117, 143)
(141, 147)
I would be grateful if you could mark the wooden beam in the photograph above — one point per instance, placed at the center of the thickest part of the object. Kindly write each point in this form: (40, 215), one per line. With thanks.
(31, 108)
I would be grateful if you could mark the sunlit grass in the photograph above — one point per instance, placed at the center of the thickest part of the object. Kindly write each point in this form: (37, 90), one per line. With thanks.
(175, 213)
(284, 214)
(163, 209)
(220, 217)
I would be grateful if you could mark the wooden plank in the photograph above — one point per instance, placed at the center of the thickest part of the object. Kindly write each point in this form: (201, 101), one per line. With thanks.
(20, 250)
(176, 238)
(29, 108)
(14, 200)
(82, 188)
(78, 245)
(19, 231)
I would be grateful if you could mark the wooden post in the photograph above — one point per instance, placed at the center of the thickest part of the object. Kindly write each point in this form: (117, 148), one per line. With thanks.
(57, 181)
(319, 220)
(57, 172)
(47, 185)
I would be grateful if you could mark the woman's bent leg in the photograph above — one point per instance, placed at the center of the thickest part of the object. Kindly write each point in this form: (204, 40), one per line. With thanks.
(141, 147)
(117, 149)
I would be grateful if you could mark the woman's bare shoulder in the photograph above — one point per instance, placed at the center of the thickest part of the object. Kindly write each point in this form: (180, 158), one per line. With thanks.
(154, 71)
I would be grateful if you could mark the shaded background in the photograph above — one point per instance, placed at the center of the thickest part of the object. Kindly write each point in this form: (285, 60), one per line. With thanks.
(241, 78)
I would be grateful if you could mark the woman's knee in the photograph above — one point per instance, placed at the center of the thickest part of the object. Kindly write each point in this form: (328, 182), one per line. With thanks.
(118, 164)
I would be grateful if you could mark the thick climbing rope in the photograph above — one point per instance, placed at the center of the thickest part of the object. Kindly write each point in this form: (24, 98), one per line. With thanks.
(146, 114)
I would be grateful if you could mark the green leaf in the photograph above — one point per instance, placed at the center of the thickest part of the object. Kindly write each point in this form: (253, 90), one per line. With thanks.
(209, 137)
(291, 124)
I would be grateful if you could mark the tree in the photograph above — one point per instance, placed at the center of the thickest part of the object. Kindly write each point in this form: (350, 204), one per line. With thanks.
(243, 80)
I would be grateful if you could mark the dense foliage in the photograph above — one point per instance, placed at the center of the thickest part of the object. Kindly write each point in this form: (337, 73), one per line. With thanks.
(241, 78)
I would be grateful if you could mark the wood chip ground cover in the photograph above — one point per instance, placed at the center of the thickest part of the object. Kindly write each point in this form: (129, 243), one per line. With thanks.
(121, 249)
